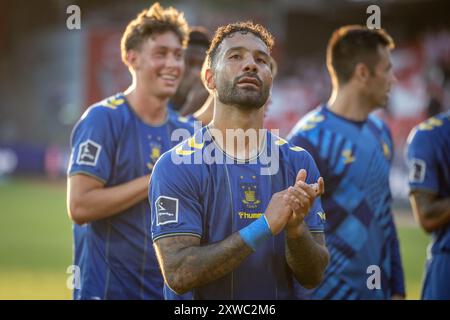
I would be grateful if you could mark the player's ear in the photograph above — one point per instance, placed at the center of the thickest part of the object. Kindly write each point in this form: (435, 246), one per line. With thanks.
(209, 79)
(132, 59)
(362, 72)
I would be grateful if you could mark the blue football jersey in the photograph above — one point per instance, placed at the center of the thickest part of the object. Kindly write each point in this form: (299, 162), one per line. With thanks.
(354, 159)
(115, 255)
(198, 190)
(428, 152)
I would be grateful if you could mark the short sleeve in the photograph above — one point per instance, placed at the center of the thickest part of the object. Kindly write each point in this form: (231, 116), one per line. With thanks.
(422, 163)
(92, 145)
(175, 200)
(301, 140)
(315, 219)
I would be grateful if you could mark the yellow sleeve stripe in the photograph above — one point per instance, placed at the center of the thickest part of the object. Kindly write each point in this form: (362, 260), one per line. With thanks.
(182, 152)
(295, 148)
(195, 145)
(280, 142)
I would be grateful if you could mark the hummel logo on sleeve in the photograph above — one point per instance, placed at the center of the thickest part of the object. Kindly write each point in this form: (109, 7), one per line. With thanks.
(322, 216)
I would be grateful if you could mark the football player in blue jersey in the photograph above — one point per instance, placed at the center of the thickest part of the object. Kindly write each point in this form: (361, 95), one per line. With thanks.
(114, 147)
(244, 220)
(353, 150)
(428, 154)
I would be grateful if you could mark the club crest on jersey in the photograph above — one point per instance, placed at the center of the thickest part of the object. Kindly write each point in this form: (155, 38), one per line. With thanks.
(250, 204)
(166, 210)
(348, 156)
(88, 153)
(417, 168)
(155, 153)
(249, 195)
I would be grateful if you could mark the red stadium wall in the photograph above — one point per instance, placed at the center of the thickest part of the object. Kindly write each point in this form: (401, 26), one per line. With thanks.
(105, 73)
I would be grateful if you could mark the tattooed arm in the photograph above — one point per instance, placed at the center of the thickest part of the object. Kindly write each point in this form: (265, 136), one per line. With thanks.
(307, 256)
(432, 213)
(186, 265)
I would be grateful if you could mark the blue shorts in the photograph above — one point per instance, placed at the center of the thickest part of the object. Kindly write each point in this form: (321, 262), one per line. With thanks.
(436, 285)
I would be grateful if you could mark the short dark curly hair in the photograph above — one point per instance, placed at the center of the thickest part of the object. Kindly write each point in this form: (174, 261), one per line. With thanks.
(155, 20)
(242, 27)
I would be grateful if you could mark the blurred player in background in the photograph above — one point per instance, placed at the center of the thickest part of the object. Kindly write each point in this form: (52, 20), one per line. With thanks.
(224, 230)
(428, 155)
(353, 150)
(114, 147)
(191, 93)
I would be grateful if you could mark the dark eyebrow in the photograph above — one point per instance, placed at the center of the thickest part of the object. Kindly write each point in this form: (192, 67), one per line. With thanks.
(166, 48)
(240, 48)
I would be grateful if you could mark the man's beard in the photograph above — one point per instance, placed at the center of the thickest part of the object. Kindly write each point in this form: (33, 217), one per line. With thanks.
(243, 98)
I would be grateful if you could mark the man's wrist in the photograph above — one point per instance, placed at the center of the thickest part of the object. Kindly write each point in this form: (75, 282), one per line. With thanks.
(296, 231)
(256, 233)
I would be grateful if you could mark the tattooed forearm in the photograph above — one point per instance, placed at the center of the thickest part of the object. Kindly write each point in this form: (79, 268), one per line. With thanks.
(187, 265)
(431, 212)
(307, 256)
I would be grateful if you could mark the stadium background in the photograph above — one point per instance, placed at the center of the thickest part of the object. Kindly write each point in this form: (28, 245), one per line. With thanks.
(49, 75)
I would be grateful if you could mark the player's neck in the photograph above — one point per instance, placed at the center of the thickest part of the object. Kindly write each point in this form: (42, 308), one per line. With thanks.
(206, 112)
(227, 119)
(231, 117)
(349, 104)
(150, 109)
